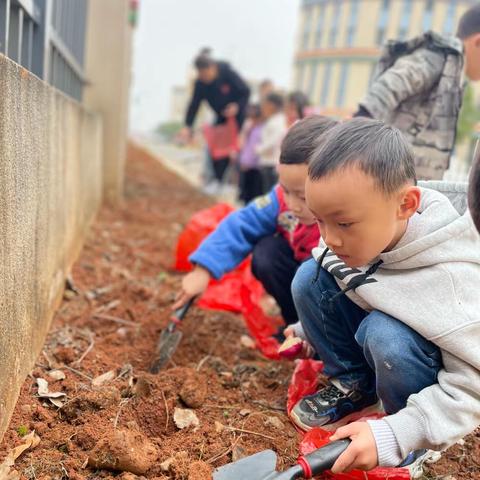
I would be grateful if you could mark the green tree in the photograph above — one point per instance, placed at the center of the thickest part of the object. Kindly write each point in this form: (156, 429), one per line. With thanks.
(168, 130)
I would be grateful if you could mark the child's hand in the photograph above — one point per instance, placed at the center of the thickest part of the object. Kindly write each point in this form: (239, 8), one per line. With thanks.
(306, 351)
(362, 452)
(193, 284)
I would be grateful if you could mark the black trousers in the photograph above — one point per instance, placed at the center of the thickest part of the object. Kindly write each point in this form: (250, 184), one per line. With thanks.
(251, 184)
(274, 265)
(220, 167)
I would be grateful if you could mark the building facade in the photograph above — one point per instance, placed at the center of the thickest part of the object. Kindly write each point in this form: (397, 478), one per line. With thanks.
(339, 41)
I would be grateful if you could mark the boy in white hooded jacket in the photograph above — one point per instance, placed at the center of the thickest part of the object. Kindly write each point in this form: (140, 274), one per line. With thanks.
(390, 303)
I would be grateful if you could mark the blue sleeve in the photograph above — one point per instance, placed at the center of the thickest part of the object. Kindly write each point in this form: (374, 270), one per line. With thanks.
(237, 234)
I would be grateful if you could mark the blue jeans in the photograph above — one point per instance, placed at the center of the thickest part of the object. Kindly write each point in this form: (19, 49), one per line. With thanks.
(363, 350)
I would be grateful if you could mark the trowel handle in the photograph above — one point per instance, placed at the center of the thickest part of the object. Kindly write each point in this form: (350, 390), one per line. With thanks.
(180, 313)
(323, 458)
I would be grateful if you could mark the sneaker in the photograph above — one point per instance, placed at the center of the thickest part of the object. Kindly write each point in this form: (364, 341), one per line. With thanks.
(212, 188)
(333, 406)
(416, 460)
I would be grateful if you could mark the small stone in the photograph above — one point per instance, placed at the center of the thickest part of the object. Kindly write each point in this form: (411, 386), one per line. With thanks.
(123, 450)
(104, 378)
(238, 453)
(244, 412)
(247, 342)
(185, 418)
(56, 375)
(219, 427)
(122, 332)
(27, 409)
(275, 422)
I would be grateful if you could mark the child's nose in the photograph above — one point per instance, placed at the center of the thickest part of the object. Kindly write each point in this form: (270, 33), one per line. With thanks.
(331, 238)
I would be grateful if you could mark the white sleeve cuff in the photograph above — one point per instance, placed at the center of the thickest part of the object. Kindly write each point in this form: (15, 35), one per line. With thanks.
(298, 329)
(388, 449)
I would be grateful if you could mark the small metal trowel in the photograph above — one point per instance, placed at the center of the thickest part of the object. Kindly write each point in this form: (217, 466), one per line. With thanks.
(262, 466)
(169, 338)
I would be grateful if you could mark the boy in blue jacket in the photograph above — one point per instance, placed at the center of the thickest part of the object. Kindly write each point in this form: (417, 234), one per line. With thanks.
(278, 228)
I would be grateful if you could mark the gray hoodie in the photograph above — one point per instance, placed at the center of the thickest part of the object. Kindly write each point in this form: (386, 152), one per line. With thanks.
(431, 281)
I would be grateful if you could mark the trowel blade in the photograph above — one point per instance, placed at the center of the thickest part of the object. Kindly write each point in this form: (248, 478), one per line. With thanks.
(167, 345)
(260, 466)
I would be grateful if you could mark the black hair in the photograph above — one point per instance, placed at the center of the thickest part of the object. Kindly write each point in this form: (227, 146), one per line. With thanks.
(303, 138)
(253, 110)
(469, 23)
(474, 189)
(275, 99)
(380, 151)
(300, 100)
(204, 59)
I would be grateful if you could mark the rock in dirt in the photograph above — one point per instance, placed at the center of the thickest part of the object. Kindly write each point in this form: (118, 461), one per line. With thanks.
(185, 418)
(274, 422)
(199, 471)
(56, 375)
(178, 465)
(124, 450)
(104, 378)
(194, 390)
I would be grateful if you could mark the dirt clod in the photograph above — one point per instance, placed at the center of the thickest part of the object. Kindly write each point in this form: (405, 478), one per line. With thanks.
(124, 450)
(199, 471)
(194, 390)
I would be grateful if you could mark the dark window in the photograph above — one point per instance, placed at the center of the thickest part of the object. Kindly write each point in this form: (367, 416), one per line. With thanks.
(383, 21)
(326, 83)
(427, 16)
(342, 84)
(449, 24)
(332, 39)
(405, 19)
(320, 25)
(352, 22)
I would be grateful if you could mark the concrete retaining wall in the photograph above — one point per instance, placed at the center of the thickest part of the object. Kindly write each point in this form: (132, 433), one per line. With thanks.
(50, 190)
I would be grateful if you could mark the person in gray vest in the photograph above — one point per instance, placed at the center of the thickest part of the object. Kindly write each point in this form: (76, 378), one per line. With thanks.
(418, 87)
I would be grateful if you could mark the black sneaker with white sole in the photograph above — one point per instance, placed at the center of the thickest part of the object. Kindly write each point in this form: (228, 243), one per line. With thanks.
(332, 407)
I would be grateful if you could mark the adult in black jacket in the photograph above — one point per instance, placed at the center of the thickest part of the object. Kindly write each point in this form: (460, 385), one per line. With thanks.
(226, 93)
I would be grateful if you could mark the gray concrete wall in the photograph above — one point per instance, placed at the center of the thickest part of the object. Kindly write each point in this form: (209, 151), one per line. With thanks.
(50, 190)
(107, 67)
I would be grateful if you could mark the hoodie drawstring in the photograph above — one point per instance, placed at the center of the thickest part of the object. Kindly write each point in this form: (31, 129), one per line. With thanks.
(354, 283)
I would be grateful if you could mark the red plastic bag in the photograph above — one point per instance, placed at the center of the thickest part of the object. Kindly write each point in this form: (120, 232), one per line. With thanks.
(260, 326)
(317, 438)
(200, 225)
(222, 140)
(238, 291)
(305, 382)
(225, 295)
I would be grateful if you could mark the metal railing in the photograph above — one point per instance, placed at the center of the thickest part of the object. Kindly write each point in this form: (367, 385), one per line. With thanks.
(47, 37)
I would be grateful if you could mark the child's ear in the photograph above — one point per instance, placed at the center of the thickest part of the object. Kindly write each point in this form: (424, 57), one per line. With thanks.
(409, 202)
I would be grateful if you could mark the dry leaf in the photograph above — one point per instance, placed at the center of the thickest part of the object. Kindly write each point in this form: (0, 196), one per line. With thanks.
(30, 441)
(54, 397)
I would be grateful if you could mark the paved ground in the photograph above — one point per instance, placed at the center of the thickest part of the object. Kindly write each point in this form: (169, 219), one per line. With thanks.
(188, 162)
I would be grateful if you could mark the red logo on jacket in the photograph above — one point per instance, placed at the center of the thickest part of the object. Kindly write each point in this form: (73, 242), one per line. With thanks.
(225, 89)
